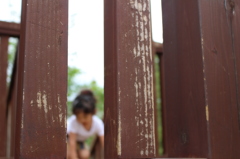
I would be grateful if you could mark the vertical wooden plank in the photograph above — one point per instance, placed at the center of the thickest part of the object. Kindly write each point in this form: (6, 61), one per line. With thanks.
(9, 29)
(42, 80)
(12, 117)
(129, 93)
(202, 77)
(3, 92)
(110, 80)
(11, 109)
(235, 10)
(184, 96)
(220, 53)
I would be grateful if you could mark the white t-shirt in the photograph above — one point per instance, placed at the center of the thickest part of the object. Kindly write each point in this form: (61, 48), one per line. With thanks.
(74, 126)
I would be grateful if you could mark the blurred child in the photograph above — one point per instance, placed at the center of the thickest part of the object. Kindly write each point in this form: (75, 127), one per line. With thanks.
(82, 125)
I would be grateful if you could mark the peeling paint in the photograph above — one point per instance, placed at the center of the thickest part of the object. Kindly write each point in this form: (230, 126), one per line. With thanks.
(207, 113)
(23, 95)
(144, 6)
(144, 87)
(39, 100)
(59, 101)
(44, 101)
(65, 121)
(22, 125)
(61, 118)
(53, 120)
(31, 103)
(135, 52)
(119, 146)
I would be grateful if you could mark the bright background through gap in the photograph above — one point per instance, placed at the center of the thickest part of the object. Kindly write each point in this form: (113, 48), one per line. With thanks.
(85, 43)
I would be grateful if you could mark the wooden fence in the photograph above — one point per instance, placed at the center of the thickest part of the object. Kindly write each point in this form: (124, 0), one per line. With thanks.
(200, 65)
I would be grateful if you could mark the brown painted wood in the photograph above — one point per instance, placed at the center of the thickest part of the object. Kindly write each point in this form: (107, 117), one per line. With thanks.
(42, 80)
(9, 29)
(12, 107)
(3, 92)
(236, 49)
(201, 65)
(129, 92)
(96, 149)
(220, 54)
(110, 78)
(184, 96)
(157, 47)
(12, 112)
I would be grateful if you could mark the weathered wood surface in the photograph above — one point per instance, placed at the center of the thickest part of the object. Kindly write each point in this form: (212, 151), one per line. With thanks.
(184, 99)
(201, 66)
(9, 29)
(11, 108)
(3, 93)
(42, 80)
(220, 39)
(129, 104)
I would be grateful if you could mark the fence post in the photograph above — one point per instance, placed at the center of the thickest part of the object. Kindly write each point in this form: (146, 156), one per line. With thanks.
(129, 104)
(42, 80)
(3, 92)
(201, 69)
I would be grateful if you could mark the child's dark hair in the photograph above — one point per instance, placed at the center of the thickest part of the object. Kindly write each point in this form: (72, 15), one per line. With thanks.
(85, 102)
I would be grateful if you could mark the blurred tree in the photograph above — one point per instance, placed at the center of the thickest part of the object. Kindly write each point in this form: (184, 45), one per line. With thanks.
(158, 103)
(12, 47)
(73, 87)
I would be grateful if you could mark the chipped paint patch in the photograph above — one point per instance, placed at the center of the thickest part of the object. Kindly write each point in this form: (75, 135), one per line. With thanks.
(44, 101)
(39, 100)
(31, 103)
(207, 113)
(22, 126)
(60, 117)
(23, 95)
(119, 146)
(65, 121)
(143, 81)
(59, 101)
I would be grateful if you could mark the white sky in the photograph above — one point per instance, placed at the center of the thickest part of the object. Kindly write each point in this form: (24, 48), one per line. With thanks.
(85, 43)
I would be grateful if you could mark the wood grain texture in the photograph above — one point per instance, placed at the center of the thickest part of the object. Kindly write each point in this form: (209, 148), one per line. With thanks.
(9, 29)
(3, 92)
(129, 107)
(42, 80)
(220, 51)
(184, 96)
(201, 63)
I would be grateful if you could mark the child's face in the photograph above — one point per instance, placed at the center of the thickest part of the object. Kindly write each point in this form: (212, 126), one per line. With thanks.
(84, 119)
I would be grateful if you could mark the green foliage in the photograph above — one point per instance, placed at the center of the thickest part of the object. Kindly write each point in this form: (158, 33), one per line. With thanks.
(158, 104)
(12, 47)
(73, 86)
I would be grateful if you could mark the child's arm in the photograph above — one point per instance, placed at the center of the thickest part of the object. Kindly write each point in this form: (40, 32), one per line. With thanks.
(101, 138)
(72, 145)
